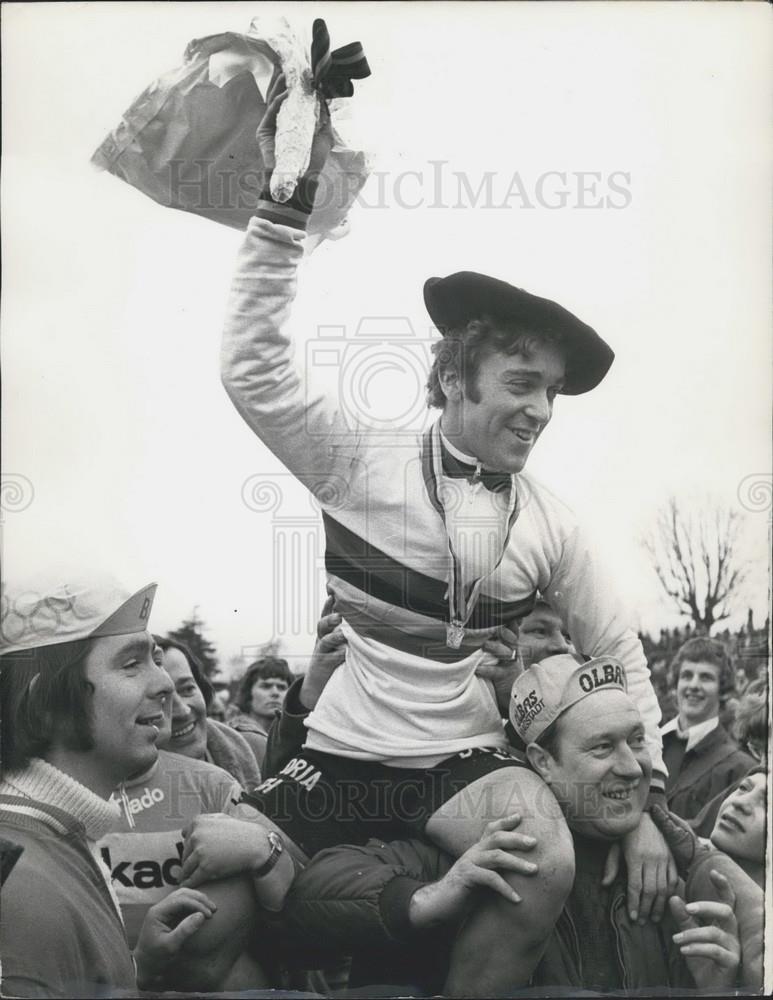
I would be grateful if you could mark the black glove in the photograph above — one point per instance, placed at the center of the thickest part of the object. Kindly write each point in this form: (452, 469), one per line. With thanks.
(682, 841)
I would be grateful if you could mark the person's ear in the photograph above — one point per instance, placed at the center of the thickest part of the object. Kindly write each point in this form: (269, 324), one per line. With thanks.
(450, 383)
(541, 762)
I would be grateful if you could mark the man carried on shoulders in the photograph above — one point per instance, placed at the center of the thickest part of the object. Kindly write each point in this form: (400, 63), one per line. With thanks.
(423, 582)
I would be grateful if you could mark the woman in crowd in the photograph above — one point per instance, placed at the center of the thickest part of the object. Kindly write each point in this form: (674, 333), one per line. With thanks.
(259, 701)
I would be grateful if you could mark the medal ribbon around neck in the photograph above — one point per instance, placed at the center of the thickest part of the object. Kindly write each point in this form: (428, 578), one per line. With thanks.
(461, 600)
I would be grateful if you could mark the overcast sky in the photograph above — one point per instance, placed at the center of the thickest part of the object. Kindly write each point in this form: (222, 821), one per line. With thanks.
(620, 157)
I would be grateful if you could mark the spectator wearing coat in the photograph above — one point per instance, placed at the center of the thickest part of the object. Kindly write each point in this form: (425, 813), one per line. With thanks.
(701, 756)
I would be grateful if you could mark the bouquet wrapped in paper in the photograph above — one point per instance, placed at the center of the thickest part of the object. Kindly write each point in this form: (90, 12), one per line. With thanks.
(189, 140)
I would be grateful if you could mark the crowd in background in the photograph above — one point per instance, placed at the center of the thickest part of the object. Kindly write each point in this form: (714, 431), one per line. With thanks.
(177, 840)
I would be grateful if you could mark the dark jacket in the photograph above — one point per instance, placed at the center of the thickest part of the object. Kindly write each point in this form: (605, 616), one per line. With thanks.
(287, 733)
(356, 899)
(645, 955)
(254, 734)
(709, 768)
(230, 750)
(60, 933)
(749, 906)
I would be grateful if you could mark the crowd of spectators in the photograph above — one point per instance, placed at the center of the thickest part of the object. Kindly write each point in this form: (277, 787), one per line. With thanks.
(466, 794)
(215, 894)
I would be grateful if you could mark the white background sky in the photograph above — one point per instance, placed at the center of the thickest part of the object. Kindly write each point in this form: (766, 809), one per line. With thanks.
(113, 306)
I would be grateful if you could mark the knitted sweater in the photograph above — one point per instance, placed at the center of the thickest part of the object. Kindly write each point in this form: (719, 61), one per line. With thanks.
(61, 932)
(402, 696)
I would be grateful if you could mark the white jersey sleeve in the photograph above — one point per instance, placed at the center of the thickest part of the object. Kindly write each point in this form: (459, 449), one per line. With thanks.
(301, 427)
(581, 594)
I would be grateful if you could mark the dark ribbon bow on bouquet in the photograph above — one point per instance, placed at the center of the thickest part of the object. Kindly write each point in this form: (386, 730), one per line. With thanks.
(333, 72)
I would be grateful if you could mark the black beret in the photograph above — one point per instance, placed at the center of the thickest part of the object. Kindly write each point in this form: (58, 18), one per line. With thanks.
(455, 300)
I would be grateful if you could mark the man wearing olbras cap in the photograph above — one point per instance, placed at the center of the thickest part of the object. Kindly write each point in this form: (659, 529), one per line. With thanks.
(81, 701)
(397, 906)
(435, 543)
(586, 739)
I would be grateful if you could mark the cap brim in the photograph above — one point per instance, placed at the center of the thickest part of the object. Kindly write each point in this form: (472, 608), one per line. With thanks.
(132, 616)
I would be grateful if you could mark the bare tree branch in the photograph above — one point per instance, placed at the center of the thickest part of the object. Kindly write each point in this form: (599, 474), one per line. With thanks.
(695, 558)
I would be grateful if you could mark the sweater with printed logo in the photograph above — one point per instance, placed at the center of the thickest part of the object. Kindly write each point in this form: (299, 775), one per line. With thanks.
(145, 861)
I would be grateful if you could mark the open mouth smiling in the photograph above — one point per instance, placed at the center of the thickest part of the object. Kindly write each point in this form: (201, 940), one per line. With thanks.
(153, 721)
(619, 794)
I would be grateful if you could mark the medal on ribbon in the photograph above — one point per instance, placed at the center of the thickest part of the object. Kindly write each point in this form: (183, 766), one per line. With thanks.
(454, 634)
(461, 599)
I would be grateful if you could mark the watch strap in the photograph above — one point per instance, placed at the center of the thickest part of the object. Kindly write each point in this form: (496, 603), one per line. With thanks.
(277, 849)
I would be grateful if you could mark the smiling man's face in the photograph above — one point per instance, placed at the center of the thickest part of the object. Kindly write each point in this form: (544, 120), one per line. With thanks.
(129, 689)
(515, 403)
(601, 774)
(697, 692)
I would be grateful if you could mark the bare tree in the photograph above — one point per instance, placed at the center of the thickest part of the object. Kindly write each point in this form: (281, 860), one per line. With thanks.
(695, 556)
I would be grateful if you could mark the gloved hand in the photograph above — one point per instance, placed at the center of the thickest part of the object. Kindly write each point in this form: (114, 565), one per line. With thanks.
(305, 192)
(682, 840)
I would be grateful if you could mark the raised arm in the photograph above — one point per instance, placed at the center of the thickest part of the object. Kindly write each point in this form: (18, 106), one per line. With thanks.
(257, 357)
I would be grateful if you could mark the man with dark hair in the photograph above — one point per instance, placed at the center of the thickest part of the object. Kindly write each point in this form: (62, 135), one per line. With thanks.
(187, 825)
(702, 758)
(436, 542)
(82, 703)
(194, 734)
(259, 701)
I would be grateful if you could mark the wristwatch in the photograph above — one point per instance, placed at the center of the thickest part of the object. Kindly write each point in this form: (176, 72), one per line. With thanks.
(277, 849)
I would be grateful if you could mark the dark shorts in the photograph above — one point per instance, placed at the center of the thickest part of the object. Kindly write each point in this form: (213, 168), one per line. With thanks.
(320, 800)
